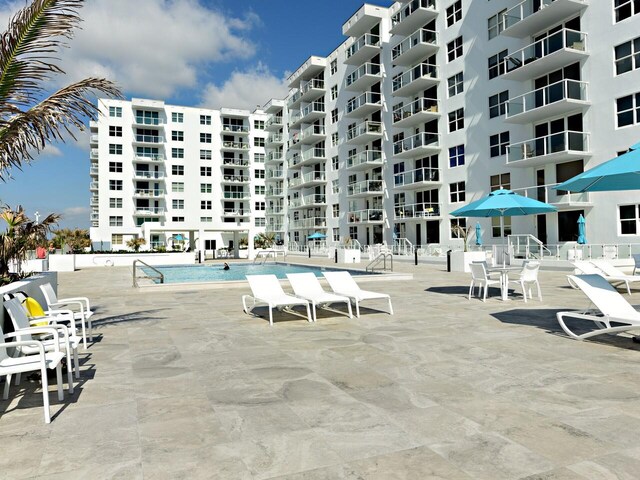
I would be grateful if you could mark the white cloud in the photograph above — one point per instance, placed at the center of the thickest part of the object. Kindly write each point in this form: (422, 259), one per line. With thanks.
(73, 217)
(51, 151)
(245, 89)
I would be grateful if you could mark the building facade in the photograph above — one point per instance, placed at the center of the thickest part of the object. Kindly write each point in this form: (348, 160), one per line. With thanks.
(430, 104)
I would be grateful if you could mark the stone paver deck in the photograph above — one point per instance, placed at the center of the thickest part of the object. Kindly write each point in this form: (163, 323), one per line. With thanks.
(183, 384)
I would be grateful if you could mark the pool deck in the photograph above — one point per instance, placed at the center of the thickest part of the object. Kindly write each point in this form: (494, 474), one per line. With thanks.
(184, 385)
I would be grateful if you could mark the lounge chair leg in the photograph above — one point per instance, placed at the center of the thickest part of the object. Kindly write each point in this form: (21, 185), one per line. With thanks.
(539, 292)
(357, 309)
(270, 316)
(390, 307)
(69, 373)
(349, 307)
(484, 296)
(45, 395)
(524, 292)
(76, 363)
(7, 384)
(18, 378)
(59, 381)
(470, 289)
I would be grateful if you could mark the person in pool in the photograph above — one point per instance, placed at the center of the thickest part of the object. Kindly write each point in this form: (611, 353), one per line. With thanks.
(226, 266)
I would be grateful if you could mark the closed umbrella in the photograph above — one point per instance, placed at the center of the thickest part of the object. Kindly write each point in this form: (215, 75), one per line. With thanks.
(478, 234)
(582, 235)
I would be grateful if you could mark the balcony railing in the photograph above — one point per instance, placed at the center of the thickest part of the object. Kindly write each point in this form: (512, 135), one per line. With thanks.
(559, 198)
(141, 120)
(93, 154)
(417, 176)
(235, 128)
(372, 215)
(293, 99)
(307, 178)
(149, 157)
(275, 138)
(409, 9)
(312, 222)
(144, 192)
(93, 171)
(149, 175)
(369, 158)
(372, 69)
(424, 139)
(314, 153)
(275, 174)
(93, 186)
(274, 121)
(274, 156)
(422, 70)
(312, 131)
(313, 84)
(366, 187)
(366, 40)
(236, 162)
(94, 138)
(236, 178)
(308, 201)
(556, 143)
(236, 212)
(541, 97)
(149, 210)
(149, 139)
(315, 107)
(364, 128)
(294, 160)
(524, 10)
(275, 192)
(428, 105)
(235, 145)
(235, 195)
(275, 227)
(420, 37)
(416, 210)
(372, 98)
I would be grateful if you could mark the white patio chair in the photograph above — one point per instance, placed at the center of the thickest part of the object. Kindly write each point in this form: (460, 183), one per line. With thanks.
(636, 262)
(528, 277)
(342, 283)
(267, 290)
(614, 314)
(79, 305)
(41, 361)
(68, 340)
(480, 279)
(307, 286)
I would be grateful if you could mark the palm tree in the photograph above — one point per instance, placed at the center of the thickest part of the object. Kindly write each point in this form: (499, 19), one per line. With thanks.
(29, 119)
(22, 234)
(76, 239)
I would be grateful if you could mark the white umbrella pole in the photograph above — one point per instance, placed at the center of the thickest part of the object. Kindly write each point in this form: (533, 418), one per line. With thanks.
(504, 247)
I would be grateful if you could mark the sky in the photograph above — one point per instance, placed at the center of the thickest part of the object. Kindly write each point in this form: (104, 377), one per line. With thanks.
(207, 53)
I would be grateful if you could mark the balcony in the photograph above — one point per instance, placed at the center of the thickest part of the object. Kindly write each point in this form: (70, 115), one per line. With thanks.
(313, 222)
(419, 111)
(275, 192)
(317, 200)
(551, 53)
(140, 120)
(236, 212)
(362, 49)
(93, 155)
(312, 155)
(412, 16)
(274, 156)
(372, 215)
(276, 210)
(421, 144)
(418, 46)
(236, 129)
(236, 179)
(418, 78)
(416, 211)
(312, 134)
(363, 105)
(311, 112)
(363, 20)
(560, 199)
(363, 77)
(93, 186)
(365, 160)
(149, 211)
(312, 90)
(274, 123)
(234, 162)
(93, 171)
(93, 140)
(235, 146)
(148, 139)
(294, 160)
(235, 196)
(308, 70)
(95, 216)
(94, 202)
(364, 132)
(295, 117)
(275, 174)
(524, 21)
(148, 175)
(148, 193)
(274, 228)
(561, 146)
(275, 139)
(365, 188)
(149, 158)
(308, 180)
(294, 100)
(273, 106)
(557, 99)
(418, 178)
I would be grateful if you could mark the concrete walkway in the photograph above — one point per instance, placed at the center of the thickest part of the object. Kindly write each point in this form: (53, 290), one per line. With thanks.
(184, 385)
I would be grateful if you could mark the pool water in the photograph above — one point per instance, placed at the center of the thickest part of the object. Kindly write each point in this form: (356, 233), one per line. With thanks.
(236, 272)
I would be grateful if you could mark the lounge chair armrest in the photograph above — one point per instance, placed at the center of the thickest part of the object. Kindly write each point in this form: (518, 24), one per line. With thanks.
(76, 299)
(48, 330)
(25, 343)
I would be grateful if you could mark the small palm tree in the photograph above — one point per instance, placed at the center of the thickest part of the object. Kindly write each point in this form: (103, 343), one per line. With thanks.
(29, 119)
(76, 239)
(135, 243)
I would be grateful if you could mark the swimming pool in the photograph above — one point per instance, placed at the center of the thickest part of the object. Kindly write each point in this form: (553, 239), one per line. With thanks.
(237, 272)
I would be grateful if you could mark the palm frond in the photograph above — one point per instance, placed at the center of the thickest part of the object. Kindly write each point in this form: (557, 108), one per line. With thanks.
(64, 111)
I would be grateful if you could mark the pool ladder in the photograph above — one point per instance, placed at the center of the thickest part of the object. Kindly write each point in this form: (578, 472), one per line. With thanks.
(264, 255)
(158, 274)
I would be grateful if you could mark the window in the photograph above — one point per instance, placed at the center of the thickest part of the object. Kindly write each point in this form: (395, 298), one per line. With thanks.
(177, 153)
(177, 117)
(205, 119)
(177, 204)
(336, 234)
(205, 154)
(177, 135)
(627, 56)
(205, 138)
(117, 239)
(177, 219)
(456, 192)
(496, 23)
(115, 184)
(498, 144)
(454, 13)
(260, 222)
(205, 205)
(629, 219)
(258, 124)
(333, 67)
(497, 64)
(205, 188)
(259, 173)
(115, 112)
(258, 142)
(457, 222)
(115, 221)
(206, 219)
(258, 157)
(335, 186)
(336, 210)
(502, 180)
(456, 120)
(456, 156)
(455, 84)
(334, 92)
(495, 226)
(115, 203)
(334, 115)
(205, 171)
(115, 167)
(335, 162)
(259, 189)
(115, 131)
(334, 139)
(115, 149)
(260, 206)
(177, 169)
(628, 110)
(498, 104)
(454, 49)
(625, 8)
(177, 186)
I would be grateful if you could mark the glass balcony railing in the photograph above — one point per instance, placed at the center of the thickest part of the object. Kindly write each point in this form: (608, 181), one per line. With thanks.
(556, 92)
(373, 187)
(372, 215)
(315, 107)
(236, 162)
(363, 70)
(420, 140)
(417, 176)
(235, 195)
(307, 201)
(236, 178)
(316, 152)
(227, 127)
(310, 177)
(364, 128)
(312, 131)
(149, 157)
(525, 9)
(312, 222)
(295, 98)
(149, 210)
(566, 141)
(421, 37)
(367, 39)
(149, 175)
(149, 139)
(235, 145)
(274, 121)
(368, 157)
(275, 174)
(275, 192)
(417, 210)
(236, 212)
(275, 138)
(274, 156)
(364, 99)
(422, 70)
(410, 8)
(145, 192)
(141, 120)
(313, 84)
(429, 105)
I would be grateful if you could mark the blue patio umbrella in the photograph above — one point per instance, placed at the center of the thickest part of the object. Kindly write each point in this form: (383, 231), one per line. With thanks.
(178, 237)
(582, 234)
(317, 236)
(478, 234)
(620, 173)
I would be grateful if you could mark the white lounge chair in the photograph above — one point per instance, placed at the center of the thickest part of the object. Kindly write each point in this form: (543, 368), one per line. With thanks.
(41, 361)
(79, 305)
(307, 286)
(342, 283)
(480, 278)
(267, 290)
(606, 270)
(612, 308)
(528, 277)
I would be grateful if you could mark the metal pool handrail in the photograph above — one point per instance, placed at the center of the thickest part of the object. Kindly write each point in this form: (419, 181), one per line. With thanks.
(160, 275)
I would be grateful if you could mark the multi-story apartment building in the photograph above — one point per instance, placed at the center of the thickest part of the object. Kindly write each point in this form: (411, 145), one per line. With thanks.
(430, 104)
(172, 174)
